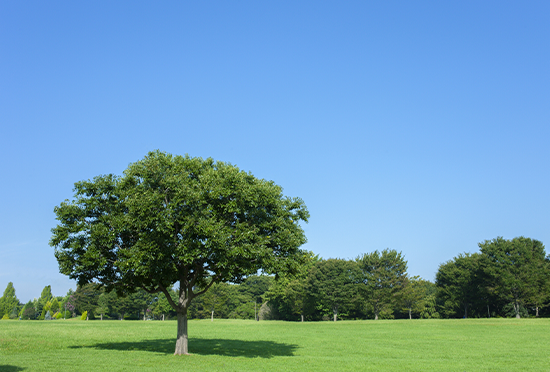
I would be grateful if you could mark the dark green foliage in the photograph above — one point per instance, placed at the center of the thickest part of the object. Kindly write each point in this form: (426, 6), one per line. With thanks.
(383, 275)
(28, 312)
(333, 289)
(517, 271)
(86, 298)
(414, 298)
(459, 283)
(289, 293)
(173, 219)
(255, 286)
(507, 278)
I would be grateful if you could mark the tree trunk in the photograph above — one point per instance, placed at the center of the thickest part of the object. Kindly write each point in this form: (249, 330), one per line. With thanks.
(516, 309)
(101, 316)
(182, 340)
(302, 316)
(212, 318)
(410, 315)
(163, 317)
(537, 309)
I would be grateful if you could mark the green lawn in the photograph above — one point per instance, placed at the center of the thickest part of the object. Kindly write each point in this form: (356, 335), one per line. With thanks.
(237, 345)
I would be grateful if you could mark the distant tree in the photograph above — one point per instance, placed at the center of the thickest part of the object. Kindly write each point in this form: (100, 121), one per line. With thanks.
(103, 305)
(333, 286)
(540, 297)
(46, 295)
(412, 295)
(287, 296)
(68, 304)
(215, 298)
(516, 269)
(458, 282)
(28, 312)
(255, 286)
(383, 276)
(86, 299)
(54, 305)
(9, 301)
(123, 305)
(177, 219)
(162, 308)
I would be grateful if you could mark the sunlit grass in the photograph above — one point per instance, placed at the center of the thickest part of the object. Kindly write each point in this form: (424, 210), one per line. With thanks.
(237, 345)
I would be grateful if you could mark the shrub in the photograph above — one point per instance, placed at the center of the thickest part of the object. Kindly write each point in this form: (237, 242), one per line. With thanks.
(5, 317)
(84, 315)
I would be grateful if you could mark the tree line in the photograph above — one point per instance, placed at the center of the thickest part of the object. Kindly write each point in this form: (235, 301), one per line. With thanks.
(506, 278)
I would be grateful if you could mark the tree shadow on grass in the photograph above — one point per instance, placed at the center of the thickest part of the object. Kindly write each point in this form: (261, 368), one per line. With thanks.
(10, 368)
(204, 346)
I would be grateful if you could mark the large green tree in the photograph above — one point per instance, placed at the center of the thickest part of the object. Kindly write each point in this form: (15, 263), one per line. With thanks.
(516, 270)
(177, 219)
(383, 274)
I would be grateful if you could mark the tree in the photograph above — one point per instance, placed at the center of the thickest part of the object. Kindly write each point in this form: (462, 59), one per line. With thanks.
(333, 285)
(28, 312)
(288, 295)
(162, 306)
(383, 275)
(54, 305)
(458, 283)
(215, 298)
(540, 297)
(68, 304)
(516, 269)
(86, 299)
(45, 296)
(412, 295)
(429, 310)
(103, 305)
(177, 219)
(8, 301)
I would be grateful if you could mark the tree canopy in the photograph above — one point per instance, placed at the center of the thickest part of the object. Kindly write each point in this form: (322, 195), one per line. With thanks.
(517, 269)
(177, 219)
(8, 301)
(458, 281)
(384, 274)
(333, 285)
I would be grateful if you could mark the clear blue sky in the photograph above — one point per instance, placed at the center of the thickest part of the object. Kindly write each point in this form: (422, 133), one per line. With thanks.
(420, 126)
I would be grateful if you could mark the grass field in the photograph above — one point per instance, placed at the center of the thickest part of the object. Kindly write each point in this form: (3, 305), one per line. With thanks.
(237, 345)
